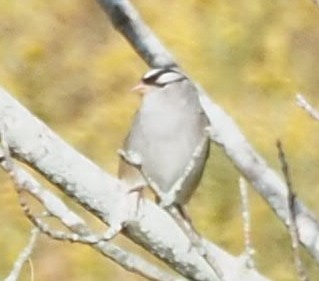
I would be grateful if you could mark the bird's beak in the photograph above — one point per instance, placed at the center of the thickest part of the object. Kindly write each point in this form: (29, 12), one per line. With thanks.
(139, 88)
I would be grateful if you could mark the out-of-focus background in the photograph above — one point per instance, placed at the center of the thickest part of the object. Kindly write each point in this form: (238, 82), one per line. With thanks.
(64, 62)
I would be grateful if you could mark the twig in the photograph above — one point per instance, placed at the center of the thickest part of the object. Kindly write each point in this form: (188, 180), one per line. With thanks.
(302, 102)
(293, 229)
(31, 269)
(24, 256)
(249, 250)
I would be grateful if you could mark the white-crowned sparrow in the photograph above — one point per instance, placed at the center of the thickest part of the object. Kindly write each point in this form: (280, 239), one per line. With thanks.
(166, 130)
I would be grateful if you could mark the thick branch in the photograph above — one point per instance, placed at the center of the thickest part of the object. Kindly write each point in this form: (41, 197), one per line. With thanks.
(80, 231)
(224, 131)
(33, 142)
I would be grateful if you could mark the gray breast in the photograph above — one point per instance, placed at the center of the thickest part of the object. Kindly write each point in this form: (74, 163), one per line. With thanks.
(165, 132)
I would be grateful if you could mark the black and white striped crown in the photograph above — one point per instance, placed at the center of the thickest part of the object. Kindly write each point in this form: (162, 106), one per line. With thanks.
(163, 76)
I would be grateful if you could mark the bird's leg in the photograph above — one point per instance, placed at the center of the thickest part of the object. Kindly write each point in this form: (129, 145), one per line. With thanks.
(134, 159)
(139, 189)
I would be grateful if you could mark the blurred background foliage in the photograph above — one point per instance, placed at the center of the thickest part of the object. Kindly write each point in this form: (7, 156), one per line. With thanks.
(63, 60)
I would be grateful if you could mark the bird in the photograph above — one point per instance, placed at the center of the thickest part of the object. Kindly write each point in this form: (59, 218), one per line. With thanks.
(166, 129)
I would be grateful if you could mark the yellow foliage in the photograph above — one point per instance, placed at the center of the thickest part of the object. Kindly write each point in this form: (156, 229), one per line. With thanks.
(64, 61)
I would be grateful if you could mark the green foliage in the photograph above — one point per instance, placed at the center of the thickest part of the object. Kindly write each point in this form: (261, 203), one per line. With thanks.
(64, 61)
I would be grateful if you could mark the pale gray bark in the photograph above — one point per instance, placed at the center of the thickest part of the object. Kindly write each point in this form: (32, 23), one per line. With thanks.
(79, 230)
(33, 142)
(104, 195)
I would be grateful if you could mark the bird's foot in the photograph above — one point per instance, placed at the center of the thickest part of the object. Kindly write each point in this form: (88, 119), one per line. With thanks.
(139, 189)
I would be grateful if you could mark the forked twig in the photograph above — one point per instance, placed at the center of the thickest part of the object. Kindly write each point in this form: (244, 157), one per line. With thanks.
(24, 256)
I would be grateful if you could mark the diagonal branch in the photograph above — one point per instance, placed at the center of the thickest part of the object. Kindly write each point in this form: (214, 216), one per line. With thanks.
(224, 131)
(103, 195)
(80, 232)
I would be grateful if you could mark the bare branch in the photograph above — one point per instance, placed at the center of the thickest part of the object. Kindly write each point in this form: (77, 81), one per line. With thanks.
(32, 141)
(293, 230)
(302, 102)
(24, 256)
